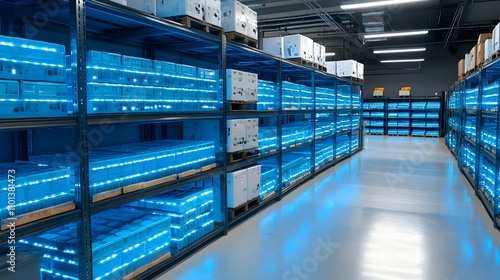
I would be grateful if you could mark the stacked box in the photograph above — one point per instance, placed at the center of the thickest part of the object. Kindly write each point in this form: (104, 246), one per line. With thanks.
(233, 17)
(488, 134)
(433, 115)
(268, 139)
(344, 97)
(268, 178)
(36, 187)
(297, 97)
(433, 105)
(471, 98)
(35, 73)
(418, 105)
(489, 99)
(295, 164)
(299, 46)
(118, 84)
(324, 126)
(274, 45)
(118, 166)
(324, 152)
(267, 95)
(343, 122)
(296, 133)
(347, 68)
(212, 12)
(418, 132)
(354, 142)
(242, 134)
(342, 145)
(124, 239)
(325, 98)
(470, 127)
(355, 121)
(190, 209)
(251, 18)
(241, 86)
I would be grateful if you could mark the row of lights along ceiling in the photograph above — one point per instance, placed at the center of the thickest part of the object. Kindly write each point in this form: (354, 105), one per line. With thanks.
(389, 34)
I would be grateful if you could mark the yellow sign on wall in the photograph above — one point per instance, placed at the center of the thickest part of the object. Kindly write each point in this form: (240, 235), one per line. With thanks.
(379, 89)
(406, 88)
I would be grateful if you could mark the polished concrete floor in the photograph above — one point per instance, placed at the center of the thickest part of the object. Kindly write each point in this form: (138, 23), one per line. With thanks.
(400, 209)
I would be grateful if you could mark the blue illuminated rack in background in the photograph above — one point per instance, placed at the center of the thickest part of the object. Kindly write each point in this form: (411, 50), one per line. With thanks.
(472, 119)
(414, 116)
(133, 101)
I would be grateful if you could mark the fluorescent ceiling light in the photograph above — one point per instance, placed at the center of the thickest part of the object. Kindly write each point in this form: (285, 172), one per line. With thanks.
(376, 4)
(396, 34)
(400, 50)
(402, 60)
(329, 54)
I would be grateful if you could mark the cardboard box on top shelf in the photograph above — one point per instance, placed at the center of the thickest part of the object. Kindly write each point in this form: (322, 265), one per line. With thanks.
(331, 67)
(251, 16)
(461, 68)
(298, 46)
(488, 49)
(347, 68)
(174, 8)
(467, 63)
(233, 17)
(472, 57)
(275, 45)
(212, 13)
(322, 57)
(483, 37)
(496, 38)
(480, 48)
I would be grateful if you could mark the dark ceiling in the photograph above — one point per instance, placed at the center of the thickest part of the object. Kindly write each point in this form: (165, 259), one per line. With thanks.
(454, 26)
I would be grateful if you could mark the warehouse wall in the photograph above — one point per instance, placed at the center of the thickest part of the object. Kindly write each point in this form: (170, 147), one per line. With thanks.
(434, 76)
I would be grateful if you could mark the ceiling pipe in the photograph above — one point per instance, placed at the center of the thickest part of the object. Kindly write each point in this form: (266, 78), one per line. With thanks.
(322, 13)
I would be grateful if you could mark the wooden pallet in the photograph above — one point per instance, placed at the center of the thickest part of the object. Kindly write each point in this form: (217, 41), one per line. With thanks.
(298, 179)
(234, 105)
(267, 195)
(142, 269)
(302, 61)
(107, 195)
(39, 214)
(319, 67)
(357, 80)
(199, 24)
(378, 134)
(237, 37)
(235, 212)
(242, 155)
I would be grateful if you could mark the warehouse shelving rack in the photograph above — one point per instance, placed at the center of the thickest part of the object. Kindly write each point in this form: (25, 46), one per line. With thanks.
(101, 20)
(411, 110)
(459, 109)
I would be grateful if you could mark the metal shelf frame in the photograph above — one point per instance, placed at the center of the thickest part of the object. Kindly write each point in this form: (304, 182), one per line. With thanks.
(485, 74)
(111, 21)
(386, 110)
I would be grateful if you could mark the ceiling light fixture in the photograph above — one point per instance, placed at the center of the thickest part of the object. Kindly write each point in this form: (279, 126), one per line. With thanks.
(400, 50)
(329, 54)
(396, 34)
(402, 60)
(376, 4)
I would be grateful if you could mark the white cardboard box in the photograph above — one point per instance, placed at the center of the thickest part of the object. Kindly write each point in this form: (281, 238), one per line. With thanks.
(233, 17)
(467, 62)
(361, 71)
(322, 58)
(172, 8)
(236, 135)
(496, 38)
(316, 52)
(298, 46)
(251, 15)
(253, 185)
(237, 185)
(275, 45)
(212, 12)
(378, 93)
(404, 93)
(347, 68)
(252, 87)
(488, 49)
(147, 6)
(331, 67)
(252, 136)
(236, 85)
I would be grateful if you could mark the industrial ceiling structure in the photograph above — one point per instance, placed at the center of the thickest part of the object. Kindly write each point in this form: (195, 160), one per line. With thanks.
(445, 29)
